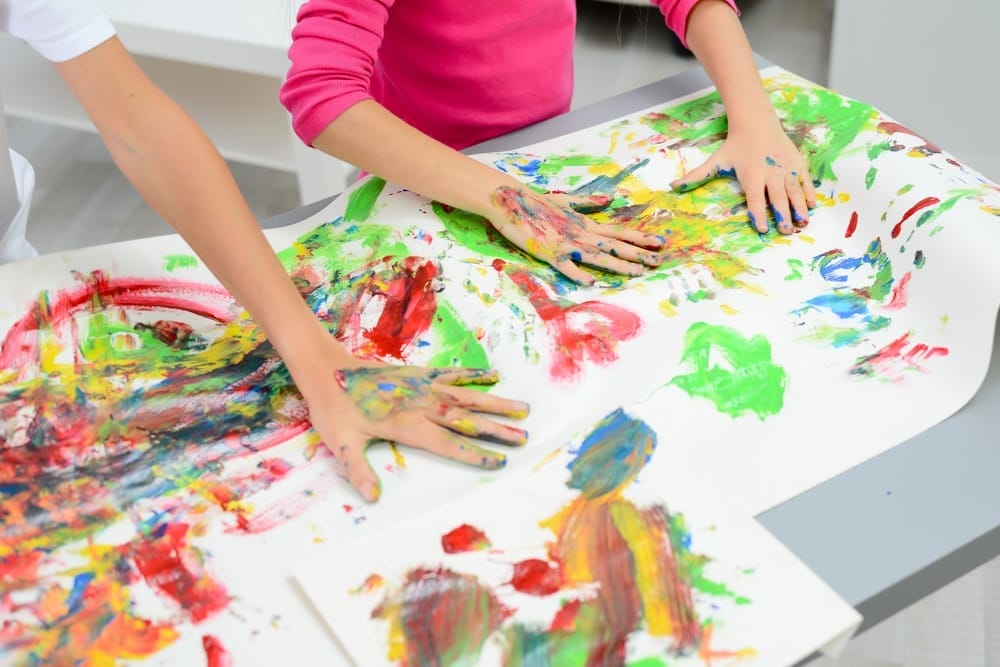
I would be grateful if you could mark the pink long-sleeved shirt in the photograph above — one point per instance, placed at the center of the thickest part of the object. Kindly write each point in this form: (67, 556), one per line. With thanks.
(461, 71)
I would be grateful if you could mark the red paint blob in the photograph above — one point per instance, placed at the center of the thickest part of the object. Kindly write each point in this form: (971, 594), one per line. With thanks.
(216, 654)
(464, 538)
(169, 565)
(852, 226)
(536, 577)
(565, 618)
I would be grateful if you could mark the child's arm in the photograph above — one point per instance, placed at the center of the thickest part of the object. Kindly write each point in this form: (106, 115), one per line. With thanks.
(177, 170)
(766, 162)
(540, 225)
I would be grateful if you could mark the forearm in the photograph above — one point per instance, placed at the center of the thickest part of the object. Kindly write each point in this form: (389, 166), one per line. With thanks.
(409, 158)
(717, 39)
(178, 171)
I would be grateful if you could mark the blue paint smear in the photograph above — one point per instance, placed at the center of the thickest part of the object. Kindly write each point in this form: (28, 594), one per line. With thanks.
(611, 455)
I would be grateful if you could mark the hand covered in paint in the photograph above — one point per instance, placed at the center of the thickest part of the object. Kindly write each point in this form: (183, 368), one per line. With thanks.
(771, 171)
(419, 407)
(554, 229)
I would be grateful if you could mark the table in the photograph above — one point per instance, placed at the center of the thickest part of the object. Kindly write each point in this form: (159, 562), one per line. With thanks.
(893, 529)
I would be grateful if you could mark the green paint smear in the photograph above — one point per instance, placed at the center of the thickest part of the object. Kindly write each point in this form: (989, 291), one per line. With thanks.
(362, 200)
(173, 262)
(800, 109)
(691, 566)
(795, 267)
(477, 234)
(870, 177)
(755, 384)
(458, 345)
(953, 198)
(875, 256)
(649, 661)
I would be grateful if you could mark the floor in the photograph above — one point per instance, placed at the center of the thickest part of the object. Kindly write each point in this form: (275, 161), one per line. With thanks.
(81, 199)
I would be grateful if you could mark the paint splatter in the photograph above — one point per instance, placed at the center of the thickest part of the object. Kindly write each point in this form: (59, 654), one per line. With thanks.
(892, 362)
(464, 538)
(216, 654)
(440, 617)
(173, 262)
(751, 383)
(372, 583)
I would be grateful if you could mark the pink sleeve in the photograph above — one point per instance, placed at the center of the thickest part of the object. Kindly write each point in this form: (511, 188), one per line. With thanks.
(676, 13)
(334, 45)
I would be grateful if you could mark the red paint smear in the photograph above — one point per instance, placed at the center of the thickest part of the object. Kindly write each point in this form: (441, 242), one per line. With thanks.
(18, 567)
(899, 293)
(216, 654)
(20, 346)
(922, 352)
(168, 565)
(565, 618)
(852, 226)
(277, 467)
(889, 127)
(596, 339)
(408, 302)
(536, 577)
(464, 538)
(882, 361)
(923, 203)
(498, 264)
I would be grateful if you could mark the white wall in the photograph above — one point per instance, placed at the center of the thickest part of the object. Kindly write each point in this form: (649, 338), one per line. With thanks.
(933, 66)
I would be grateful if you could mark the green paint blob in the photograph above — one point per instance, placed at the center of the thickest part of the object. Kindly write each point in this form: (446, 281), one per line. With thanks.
(458, 345)
(362, 200)
(648, 661)
(752, 383)
(173, 262)
(870, 177)
(795, 267)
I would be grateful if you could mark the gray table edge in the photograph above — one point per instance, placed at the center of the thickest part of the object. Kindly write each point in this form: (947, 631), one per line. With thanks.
(891, 530)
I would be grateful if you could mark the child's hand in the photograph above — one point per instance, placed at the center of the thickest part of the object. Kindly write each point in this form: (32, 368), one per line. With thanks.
(771, 171)
(420, 407)
(555, 233)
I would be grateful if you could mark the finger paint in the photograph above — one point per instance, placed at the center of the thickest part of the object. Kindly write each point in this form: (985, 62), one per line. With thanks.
(752, 383)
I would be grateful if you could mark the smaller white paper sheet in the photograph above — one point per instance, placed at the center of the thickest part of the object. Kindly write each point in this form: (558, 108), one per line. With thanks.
(554, 565)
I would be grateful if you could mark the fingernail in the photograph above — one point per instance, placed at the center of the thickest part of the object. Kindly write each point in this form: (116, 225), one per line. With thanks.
(519, 412)
(370, 491)
(494, 462)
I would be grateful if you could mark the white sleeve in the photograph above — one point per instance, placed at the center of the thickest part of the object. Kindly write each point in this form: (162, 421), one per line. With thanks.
(58, 29)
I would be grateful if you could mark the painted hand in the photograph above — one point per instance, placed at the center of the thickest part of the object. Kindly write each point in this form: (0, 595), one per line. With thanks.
(553, 229)
(425, 408)
(771, 171)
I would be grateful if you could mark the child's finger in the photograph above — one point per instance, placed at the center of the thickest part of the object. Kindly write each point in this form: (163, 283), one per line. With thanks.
(756, 206)
(633, 236)
(477, 426)
(626, 251)
(436, 440)
(608, 262)
(480, 401)
(697, 177)
(350, 454)
(458, 376)
(778, 199)
(573, 272)
(800, 210)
